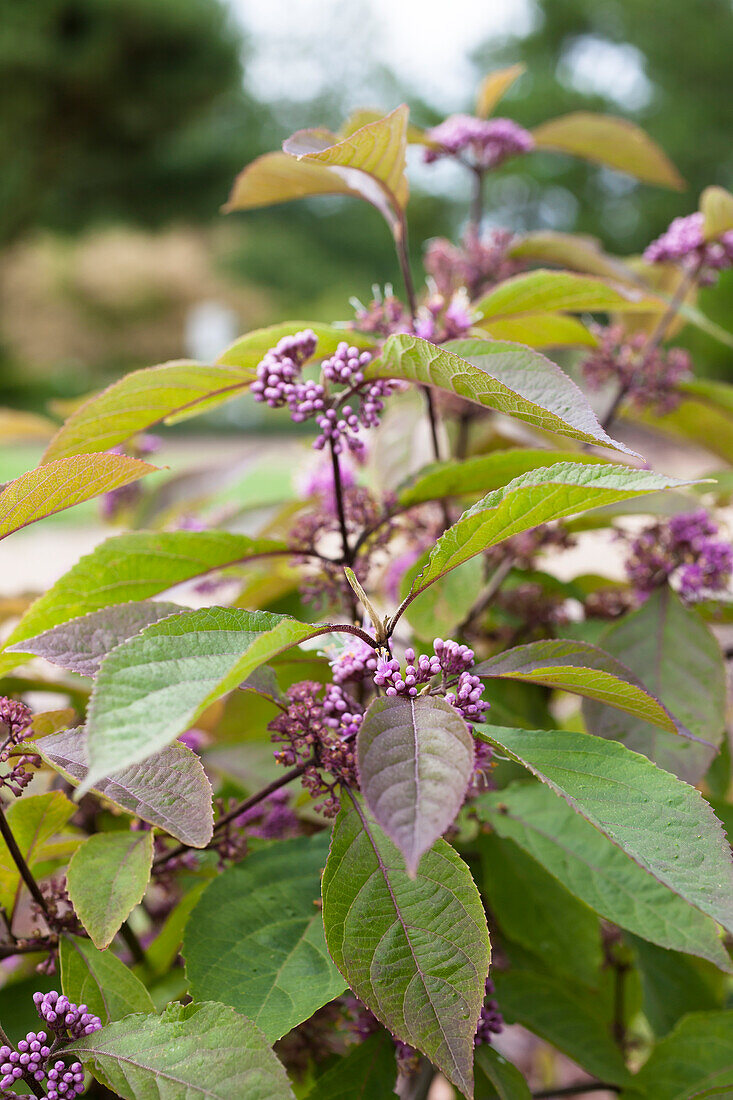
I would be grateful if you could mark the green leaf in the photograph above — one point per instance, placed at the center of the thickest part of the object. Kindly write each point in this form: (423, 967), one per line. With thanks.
(139, 400)
(571, 250)
(689, 679)
(493, 86)
(247, 351)
(694, 1061)
(107, 878)
(543, 291)
(697, 420)
(367, 1071)
(585, 670)
(535, 911)
(541, 330)
(135, 566)
(674, 984)
(33, 820)
(18, 426)
(613, 142)
(81, 644)
(62, 484)
(415, 951)
(663, 824)
(716, 206)
(192, 1052)
(597, 871)
(497, 1079)
(480, 474)
(154, 686)
(571, 1019)
(255, 939)
(447, 603)
(170, 790)
(531, 499)
(507, 377)
(415, 763)
(100, 981)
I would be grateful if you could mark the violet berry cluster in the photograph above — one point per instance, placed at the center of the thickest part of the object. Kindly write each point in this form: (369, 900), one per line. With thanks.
(684, 243)
(16, 717)
(685, 549)
(491, 1021)
(280, 383)
(31, 1061)
(452, 662)
(648, 378)
(480, 262)
(486, 142)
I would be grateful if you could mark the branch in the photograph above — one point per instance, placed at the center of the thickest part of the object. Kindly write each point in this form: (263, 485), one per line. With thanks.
(576, 1090)
(23, 868)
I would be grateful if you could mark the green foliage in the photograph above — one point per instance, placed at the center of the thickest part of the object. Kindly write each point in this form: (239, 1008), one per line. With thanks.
(99, 980)
(106, 879)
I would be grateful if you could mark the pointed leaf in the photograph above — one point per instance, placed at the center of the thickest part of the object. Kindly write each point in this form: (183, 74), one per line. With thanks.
(415, 951)
(580, 253)
(541, 330)
(192, 1052)
(255, 939)
(570, 1018)
(481, 474)
(139, 400)
(597, 871)
(586, 670)
(497, 1079)
(716, 205)
(530, 499)
(247, 351)
(507, 377)
(135, 566)
(170, 790)
(107, 878)
(99, 980)
(688, 678)
(153, 687)
(674, 984)
(368, 1070)
(663, 824)
(18, 426)
(60, 485)
(415, 763)
(541, 290)
(33, 820)
(694, 1062)
(81, 644)
(493, 86)
(614, 142)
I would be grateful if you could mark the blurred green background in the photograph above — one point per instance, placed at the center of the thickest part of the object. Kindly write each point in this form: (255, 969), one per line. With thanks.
(124, 122)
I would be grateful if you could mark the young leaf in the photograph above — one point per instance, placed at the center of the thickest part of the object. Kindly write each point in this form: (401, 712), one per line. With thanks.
(60, 485)
(493, 87)
(507, 377)
(247, 351)
(154, 686)
(481, 474)
(497, 1079)
(541, 291)
(716, 205)
(541, 330)
(18, 426)
(678, 658)
(139, 400)
(107, 878)
(134, 566)
(530, 499)
(415, 951)
(585, 670)
(255, 939)
(597, 871)
(80, 645)
(613, 142)
(569, 1018)
(192, 1052)
(99, 980)
(33, 820)
(170, 790)
(570, 250)
(415, 762)
(694, 1061)
(368, 1070)
(663, 824)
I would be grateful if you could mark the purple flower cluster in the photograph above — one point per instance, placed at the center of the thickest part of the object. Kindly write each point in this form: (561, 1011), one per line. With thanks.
(16, 717)
(451, 661)
(683, 242)
(320, 725)
(65, 1081)
(27, 1061)
(441, 318)
(478, 263)
(384, 315)
(649, 379)
(355, 663)
(64, 1017)
(30, 1062)
(686, 550)
(491, 1021)
(488, 142)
